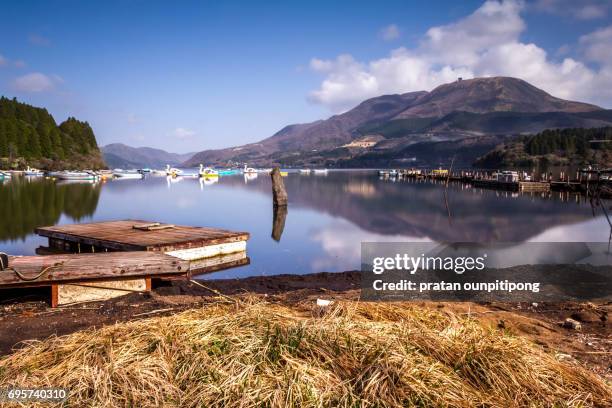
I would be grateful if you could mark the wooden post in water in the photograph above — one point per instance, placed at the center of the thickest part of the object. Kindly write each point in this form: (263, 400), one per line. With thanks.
(279, 197)
(278, 188)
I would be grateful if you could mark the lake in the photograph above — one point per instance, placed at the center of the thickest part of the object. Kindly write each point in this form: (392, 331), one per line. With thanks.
(328, 215)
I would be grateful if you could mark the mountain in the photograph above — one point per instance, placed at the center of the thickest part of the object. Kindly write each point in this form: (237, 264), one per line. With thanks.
(118, 155)
(401, 129)
(484, 95)
(30, 136)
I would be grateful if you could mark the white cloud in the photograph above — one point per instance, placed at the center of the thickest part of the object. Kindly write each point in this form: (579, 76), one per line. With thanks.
(36, 82)
(598, 45)
(582, 10)
(19, 63)
(485, 43)
(182, 133)
(390, 32)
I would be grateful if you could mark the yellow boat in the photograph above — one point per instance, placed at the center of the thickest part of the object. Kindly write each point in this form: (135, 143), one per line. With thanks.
(284, 173)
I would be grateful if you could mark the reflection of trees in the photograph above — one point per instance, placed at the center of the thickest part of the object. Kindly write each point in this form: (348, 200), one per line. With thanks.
(27, 204)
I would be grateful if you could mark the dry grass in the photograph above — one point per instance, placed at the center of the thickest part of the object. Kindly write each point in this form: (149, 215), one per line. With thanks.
(256, 354)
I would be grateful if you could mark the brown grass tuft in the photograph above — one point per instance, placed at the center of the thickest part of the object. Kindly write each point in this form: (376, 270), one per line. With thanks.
(254, 354)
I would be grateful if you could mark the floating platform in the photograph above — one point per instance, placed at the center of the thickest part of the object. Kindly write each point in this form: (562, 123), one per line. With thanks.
(97, 261)
(138, 235)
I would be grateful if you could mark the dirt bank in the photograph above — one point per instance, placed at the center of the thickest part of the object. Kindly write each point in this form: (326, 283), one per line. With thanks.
(26, 315)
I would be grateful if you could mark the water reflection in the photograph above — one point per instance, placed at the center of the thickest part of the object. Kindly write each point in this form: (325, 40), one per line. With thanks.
(419, 209)
(328, 216)
(29, 203)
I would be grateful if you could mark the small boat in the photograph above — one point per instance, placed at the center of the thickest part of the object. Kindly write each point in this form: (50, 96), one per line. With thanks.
(228, 172)
(74, 175)
(145, 170)
(33, 172)
(173, 171)
(249, 170)
(305, 171)
(128, 175)
(159, 172)
(104, 174)
(5, 175)
(284, 173)
(207, 172)
(320, 171)
(264, 170)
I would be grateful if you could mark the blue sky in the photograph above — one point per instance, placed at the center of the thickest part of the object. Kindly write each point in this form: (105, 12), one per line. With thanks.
(187, 76)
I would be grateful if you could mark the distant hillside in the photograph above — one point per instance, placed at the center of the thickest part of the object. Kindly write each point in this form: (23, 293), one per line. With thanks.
(30, 136)
(554, 146)
(118, 155)
(475, 111)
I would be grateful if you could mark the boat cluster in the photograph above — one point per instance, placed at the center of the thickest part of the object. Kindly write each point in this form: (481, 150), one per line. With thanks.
(203, 172)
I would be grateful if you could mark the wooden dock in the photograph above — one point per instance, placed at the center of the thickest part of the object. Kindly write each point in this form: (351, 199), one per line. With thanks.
(96, 261)
(125, 236)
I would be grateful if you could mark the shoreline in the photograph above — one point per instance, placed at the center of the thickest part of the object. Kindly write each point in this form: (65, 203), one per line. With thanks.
(31, 318)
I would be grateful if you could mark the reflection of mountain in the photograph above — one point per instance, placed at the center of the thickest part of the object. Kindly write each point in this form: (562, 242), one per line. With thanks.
(418, 209)
(27, 204)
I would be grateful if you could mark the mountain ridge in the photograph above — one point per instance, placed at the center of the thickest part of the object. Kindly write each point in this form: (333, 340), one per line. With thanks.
(120, 155)
(450, 112)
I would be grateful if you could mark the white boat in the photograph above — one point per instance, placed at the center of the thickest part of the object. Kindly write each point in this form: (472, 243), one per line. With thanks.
(74, 175)
(264, 170)
(249, 170)
(305, 171)
(159, 172)
(320, 171)
(5, 175)
(173, 171)
(33, 172)
(128, 175)
(207, 172)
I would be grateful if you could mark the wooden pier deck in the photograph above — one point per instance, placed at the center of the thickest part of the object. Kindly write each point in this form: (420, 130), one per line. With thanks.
(89, 267)
(96, 261)
(125, 236)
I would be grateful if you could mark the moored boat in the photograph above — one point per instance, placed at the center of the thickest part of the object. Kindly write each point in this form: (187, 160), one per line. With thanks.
(305, 171)
(207, 172)
(249, 170)
(127, 175)
(228, 172)
(5, 175)
(74, 175)
(173, 171)
(320, 171)
(33, 172)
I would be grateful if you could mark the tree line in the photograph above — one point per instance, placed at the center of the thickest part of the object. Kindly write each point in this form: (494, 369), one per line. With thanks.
(572, 141)
(31, 133)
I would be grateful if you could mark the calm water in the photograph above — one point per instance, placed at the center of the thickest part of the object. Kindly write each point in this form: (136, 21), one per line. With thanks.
(329, 216)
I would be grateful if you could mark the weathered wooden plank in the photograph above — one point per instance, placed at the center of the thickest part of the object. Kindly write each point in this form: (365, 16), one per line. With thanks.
(83, 267)
(121, 236)
(94, 291)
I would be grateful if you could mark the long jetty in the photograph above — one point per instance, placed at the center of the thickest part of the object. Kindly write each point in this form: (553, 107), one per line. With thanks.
(586, 181)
